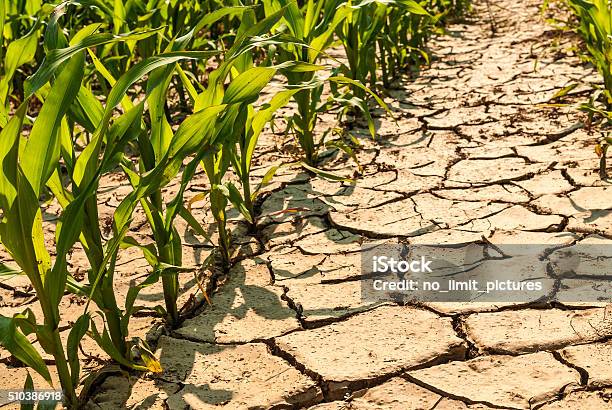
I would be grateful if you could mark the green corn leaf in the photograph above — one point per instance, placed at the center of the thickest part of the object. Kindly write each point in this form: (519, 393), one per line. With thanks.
(245, 61)
(54, 36)
(207, 20)
(294, 18)
(149, 251)
(21, 225)
(261, 118)
(125, 101)
(235, 197)
(26, 322)
(247, 86)
(160, 130)
(413, 7)
(313, 10)
(41, 152)
(18, 53)
(121, 221)
(193, 223)
(105, 342)
(78, 331)
(132, 294)
(193, 93)
(192, 133)
(148, 65)
(249, 38)
(175, 205)
(347, 149)
(9, 271)
(325, 174)
(214, 93)
(218, 202)
(300, 67)
(87, 163)
(319, 43)
(83, 33)
(9, 144)
(68, 231)
(564, 91)
(63, 196)
(44, 335)
(211, 18)
(26, 238)
(56, 57)
(346, 80)
(267, 178)
(124, 129)
(119, 15)
(86, 109)
(2, 20)
(19, 346)
(27, 386)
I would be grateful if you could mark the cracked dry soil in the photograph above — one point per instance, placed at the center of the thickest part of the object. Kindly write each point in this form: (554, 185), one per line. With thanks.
(472, 155)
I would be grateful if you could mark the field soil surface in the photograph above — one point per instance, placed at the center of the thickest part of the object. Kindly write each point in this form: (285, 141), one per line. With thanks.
(474, 154)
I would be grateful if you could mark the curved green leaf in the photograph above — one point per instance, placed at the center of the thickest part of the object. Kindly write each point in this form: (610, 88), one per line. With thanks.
(19, 346)
(41, 153)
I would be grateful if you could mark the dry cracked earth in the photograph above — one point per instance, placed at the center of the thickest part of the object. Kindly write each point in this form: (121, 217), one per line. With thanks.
(474, 154)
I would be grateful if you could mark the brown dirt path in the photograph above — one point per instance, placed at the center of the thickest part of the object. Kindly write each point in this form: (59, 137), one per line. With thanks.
(472, 155)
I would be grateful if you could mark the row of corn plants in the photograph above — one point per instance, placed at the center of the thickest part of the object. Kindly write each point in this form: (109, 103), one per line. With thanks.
(86, 84)
(595, 27)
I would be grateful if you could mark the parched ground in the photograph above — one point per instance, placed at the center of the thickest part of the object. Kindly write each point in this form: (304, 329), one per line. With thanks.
(474, 154)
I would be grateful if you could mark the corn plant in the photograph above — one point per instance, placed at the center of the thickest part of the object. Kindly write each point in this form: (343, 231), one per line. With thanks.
(391, 25)
(16, 19)
(447, 9)
(27, 166)
(241, 92)
(88, 167)
(236, 149)
(84, 173)
(310, 29)
(32, 163)
(596, 28)
(242, 148)
(166, 257)
(312, 26)
(166, 254)
(402, 40)
(18, 53)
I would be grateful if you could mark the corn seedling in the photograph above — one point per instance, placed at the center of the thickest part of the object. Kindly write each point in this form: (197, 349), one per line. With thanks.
(241, 150)
(165, 255)
(189, 138)
(310, 29)
(240, 94)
